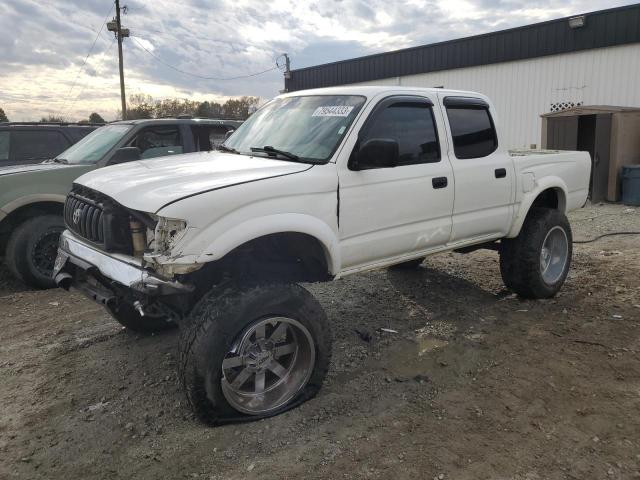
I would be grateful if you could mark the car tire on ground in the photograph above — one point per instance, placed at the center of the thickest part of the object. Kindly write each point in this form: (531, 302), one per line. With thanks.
(535, 264)
(408, 265)
(250, 352)
(32, 249)
(129, 318)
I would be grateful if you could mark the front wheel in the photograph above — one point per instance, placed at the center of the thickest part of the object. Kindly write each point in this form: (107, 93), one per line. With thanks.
(32, 249)
(535, 264)
(252, 352)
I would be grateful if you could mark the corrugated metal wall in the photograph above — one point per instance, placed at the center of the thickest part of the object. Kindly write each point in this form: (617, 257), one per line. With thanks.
(602, 29)
(523, 90)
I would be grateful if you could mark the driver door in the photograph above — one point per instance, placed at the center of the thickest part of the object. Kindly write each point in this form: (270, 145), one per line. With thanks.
(394, 212)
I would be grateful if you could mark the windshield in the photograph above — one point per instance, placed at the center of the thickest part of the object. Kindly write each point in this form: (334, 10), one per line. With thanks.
(93, 147)
(309, 127)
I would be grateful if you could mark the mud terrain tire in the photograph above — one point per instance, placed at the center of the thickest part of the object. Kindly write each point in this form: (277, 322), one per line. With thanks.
(32, 248)
(218, 331)
(522, 259)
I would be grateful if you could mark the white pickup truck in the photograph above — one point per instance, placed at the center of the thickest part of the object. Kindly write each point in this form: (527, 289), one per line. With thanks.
(316, 185)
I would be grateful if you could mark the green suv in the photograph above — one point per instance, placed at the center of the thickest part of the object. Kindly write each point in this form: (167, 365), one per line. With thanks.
(32, 196)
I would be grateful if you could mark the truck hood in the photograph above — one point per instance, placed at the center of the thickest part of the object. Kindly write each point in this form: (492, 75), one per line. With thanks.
(149, 185)
(13, 169)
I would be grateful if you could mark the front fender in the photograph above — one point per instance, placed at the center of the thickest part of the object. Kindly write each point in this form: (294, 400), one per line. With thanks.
(30, 200)
(271, 224)
(539, 186)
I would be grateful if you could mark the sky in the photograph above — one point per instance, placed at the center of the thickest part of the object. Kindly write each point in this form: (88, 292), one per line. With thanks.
(59, 58)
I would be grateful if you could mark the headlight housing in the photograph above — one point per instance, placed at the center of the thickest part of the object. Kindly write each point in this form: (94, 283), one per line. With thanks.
(167, 233)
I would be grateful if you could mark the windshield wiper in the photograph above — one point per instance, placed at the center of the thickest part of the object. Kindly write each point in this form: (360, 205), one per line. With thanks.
(223, 148)
(289, 155)
(270, 149)
(57, 160)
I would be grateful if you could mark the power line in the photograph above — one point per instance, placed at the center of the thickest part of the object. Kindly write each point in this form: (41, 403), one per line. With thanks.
(66, 110)
(195, 74)
(232, 43)
(86, 58)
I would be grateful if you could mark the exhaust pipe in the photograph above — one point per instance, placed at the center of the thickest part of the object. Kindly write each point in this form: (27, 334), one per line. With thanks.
(63, 280)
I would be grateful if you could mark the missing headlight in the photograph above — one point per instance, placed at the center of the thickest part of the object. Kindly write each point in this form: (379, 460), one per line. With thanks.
(167, 232)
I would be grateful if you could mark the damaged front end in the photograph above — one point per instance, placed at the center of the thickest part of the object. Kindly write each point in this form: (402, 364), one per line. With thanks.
(163, 247)
(113, 254)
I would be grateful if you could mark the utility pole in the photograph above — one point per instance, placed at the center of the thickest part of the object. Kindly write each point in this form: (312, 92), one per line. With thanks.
(287, 70)
(120, 33)
(287, 66)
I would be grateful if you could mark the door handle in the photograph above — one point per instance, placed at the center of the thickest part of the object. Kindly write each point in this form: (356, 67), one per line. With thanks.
(439, 182)
(501, 172)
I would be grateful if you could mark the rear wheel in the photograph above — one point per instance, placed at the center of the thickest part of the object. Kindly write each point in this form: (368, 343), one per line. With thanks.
(32, 249)
(253, 351)
(535, 264)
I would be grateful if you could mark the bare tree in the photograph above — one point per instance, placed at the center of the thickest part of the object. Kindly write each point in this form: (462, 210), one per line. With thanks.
(53, 119)
(96, 118)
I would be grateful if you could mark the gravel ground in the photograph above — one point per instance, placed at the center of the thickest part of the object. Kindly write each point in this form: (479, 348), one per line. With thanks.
(476, 384)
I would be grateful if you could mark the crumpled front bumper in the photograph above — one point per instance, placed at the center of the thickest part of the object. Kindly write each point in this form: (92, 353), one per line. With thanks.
(90, 270)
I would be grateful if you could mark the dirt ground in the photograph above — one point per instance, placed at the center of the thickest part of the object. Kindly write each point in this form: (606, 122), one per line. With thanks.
(476, 384)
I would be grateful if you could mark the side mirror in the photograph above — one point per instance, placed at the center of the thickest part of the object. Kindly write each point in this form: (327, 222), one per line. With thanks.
(125, 154)
(228, 134)
(376, 153)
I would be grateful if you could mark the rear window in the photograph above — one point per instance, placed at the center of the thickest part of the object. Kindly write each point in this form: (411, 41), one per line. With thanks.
(473, 132)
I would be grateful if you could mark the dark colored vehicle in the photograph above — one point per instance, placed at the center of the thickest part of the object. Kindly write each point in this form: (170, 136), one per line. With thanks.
(32, 196)
(24, 143)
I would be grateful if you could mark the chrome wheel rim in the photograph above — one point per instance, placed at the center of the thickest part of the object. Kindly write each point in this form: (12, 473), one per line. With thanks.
(271, 361)
(554, 255)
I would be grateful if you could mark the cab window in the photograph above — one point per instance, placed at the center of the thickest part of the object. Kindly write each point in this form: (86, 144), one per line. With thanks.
(412, 125)
(158, 141)
(208, 137)
(472, 130)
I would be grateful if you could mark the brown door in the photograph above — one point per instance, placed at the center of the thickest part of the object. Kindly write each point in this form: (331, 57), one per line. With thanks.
(600, 158)
(562, 133)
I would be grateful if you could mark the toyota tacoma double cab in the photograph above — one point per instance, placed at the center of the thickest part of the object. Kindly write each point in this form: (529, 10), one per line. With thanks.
(316, 185)
(32, 196)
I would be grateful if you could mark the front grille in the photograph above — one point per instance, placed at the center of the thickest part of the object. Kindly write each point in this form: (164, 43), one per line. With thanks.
(98, 219)
(85, 218)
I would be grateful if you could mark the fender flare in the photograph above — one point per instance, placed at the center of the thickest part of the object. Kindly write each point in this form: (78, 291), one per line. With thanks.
(28, 200)
(546, 183)
(272, 224)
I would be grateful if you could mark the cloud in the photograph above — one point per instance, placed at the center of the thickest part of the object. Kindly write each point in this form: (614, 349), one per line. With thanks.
(43, 69)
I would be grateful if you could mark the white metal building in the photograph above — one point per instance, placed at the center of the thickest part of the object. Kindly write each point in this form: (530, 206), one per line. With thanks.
(590, 59)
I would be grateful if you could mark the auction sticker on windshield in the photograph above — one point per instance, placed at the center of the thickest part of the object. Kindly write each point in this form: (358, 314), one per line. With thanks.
(333, 111)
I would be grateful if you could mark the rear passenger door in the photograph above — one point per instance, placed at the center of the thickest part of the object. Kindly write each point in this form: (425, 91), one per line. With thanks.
(392, 212)
(483, 173)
